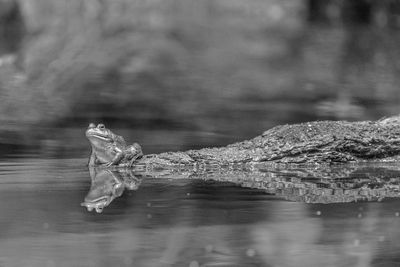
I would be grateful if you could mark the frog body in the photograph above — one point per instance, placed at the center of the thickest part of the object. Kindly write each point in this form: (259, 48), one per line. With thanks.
(109, 149)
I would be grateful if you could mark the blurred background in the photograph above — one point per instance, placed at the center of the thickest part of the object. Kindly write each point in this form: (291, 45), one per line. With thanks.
(180, 74)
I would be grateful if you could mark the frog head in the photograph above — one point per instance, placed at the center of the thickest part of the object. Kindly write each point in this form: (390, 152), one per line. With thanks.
(100, 137)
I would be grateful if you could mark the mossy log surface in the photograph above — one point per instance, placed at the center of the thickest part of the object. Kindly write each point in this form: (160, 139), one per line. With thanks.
(319, 142)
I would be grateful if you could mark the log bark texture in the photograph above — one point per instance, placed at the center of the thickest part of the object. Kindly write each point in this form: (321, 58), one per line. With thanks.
(319, 142)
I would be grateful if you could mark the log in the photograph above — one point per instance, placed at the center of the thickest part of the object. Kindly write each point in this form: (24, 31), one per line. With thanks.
(319, 142)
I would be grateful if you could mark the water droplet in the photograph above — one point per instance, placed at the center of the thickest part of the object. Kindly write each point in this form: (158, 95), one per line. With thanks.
(359, 215)
(356, 242)
(46, 225)
(397, 214)
(250, 252)
(194, 264)
(149, 216)
(148, 204)
(381, 238)
(188, 194)
(318, 213)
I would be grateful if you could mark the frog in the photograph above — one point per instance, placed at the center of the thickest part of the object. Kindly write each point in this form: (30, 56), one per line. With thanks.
(109, 149)
(107, 185)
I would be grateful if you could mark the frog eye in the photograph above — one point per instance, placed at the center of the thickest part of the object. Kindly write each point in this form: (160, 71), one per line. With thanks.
(101, 126)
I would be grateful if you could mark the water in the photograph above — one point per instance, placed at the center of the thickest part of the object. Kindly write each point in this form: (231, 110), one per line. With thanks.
(194, 220)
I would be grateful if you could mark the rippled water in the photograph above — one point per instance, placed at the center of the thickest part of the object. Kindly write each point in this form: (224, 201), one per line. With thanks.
(195, 220)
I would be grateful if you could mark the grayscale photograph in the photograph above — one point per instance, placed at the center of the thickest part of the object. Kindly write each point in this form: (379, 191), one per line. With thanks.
(200, 133)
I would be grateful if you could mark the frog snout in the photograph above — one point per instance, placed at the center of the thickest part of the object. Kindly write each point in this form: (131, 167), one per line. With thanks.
(91, 125)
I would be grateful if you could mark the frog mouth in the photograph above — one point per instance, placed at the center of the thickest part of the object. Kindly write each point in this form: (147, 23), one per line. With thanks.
(98, 136)
(96, 201)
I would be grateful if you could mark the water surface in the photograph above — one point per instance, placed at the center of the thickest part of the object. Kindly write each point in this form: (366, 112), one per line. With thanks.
(191, 222)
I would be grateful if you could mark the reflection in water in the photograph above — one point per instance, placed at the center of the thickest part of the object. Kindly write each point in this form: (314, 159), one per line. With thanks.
(324, 184)
(360, 184)
(108, 185)
(199, 220)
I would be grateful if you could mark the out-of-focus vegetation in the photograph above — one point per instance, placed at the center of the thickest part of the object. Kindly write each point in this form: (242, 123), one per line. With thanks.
(225, 65)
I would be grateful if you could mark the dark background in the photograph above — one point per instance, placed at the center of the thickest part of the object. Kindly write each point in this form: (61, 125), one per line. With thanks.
(192, 73)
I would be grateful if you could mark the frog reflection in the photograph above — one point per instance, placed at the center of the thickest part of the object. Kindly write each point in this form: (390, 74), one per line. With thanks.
(107, 185)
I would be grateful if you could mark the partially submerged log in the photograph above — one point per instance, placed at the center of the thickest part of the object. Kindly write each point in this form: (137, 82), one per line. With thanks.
(320, 142)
